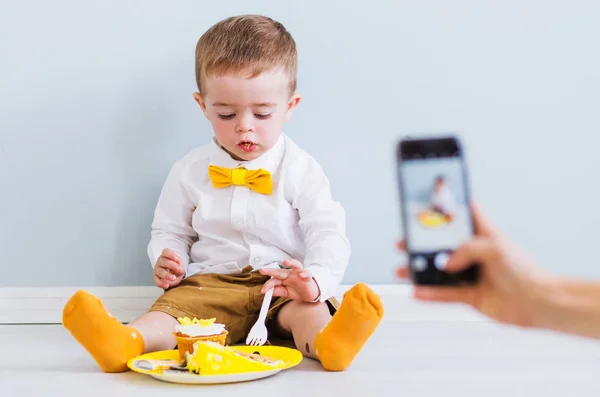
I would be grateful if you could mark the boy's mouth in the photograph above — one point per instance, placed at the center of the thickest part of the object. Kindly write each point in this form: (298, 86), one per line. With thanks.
(247, 146)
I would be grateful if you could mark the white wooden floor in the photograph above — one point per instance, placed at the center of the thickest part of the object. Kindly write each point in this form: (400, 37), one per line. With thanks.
(429, 354)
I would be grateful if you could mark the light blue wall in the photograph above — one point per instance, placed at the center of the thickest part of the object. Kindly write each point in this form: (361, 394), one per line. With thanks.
(96, 104)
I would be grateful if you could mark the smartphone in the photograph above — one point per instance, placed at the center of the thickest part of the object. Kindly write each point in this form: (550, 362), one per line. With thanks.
(436, 216)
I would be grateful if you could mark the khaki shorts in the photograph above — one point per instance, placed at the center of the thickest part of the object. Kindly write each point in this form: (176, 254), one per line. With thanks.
(233, 299)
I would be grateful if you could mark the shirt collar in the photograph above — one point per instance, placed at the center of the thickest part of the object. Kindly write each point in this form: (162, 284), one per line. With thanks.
(269, 160)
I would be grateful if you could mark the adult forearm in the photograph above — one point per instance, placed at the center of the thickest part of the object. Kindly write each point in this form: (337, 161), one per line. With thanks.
(569, 306)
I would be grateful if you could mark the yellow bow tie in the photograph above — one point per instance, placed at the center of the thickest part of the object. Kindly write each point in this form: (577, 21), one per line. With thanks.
(257, 180)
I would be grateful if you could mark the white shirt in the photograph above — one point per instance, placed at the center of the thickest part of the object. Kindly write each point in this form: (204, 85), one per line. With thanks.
(444, 199)
(224, 230)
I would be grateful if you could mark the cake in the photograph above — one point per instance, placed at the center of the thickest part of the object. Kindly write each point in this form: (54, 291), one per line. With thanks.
(188, 332)
(210, 358)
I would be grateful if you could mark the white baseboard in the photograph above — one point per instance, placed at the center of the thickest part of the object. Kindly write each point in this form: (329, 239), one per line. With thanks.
(45, 305)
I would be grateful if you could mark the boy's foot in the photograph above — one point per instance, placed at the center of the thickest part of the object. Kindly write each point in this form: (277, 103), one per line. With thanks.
(109, 342)
(342, 339)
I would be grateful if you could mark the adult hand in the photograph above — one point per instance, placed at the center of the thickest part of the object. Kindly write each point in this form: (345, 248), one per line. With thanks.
(508, 282)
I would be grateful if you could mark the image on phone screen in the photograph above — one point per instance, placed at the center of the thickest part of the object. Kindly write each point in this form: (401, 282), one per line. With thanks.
(436, 204)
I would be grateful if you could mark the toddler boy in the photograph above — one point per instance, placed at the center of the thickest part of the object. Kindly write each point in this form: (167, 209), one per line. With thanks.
(249, 198)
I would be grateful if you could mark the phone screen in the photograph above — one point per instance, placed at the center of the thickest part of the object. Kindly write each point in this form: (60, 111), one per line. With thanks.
(435, 207)
(436, 204)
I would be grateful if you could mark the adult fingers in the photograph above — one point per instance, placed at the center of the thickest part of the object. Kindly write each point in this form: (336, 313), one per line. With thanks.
(446, 294)
(480, 250)
(483, 226)
(401, 245)
(402, 272)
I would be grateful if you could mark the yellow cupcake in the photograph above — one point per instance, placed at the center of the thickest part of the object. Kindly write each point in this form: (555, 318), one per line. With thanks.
(190, 331)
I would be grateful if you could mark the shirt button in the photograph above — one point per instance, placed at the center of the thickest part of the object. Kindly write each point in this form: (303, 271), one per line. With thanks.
(255, 260)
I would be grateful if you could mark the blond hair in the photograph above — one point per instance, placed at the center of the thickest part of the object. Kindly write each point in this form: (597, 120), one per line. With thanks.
(249, 44)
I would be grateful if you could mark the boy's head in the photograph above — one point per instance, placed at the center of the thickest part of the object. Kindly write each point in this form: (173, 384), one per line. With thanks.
(439, 182)
(246, 75)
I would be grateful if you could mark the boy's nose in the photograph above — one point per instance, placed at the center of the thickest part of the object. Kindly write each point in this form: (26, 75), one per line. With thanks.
(245, 125)
(242, 128)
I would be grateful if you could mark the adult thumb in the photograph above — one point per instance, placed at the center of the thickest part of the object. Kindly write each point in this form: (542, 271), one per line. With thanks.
(480, 250)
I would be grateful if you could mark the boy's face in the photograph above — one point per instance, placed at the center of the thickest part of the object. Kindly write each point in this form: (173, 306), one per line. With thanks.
(247, 115)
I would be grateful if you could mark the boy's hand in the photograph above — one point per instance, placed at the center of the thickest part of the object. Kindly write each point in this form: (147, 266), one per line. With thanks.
(294, 283)
(168, 271)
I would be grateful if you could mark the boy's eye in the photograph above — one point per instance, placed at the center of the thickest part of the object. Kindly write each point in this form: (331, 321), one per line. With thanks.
(262, 116)
(226, 116)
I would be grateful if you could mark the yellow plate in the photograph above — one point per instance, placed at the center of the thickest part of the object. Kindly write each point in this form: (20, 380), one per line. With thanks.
(157, 365)
(432, 219)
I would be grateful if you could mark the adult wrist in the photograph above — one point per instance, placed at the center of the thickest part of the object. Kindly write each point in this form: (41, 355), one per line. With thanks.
(547, 298)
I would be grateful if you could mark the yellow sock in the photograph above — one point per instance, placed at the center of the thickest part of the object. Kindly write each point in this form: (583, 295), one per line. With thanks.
(109, 342)
(350, 328)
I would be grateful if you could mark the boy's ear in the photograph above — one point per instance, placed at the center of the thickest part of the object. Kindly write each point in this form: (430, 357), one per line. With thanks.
(198, 98)
(293, 102)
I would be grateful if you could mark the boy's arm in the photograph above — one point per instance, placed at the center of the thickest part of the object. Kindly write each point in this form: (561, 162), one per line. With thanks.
(172, 224)
(323, 221)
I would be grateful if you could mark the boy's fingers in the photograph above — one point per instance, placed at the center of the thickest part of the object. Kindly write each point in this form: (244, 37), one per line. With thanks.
(165, 274)
(281, 274)
(179, 271)
(294, 264)
(171, 255)
(272, 283)
(171, 266)
(401, 245)
(174, 282)
(160, 283)
(176, 269)
(305, 275)
(280, 291)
